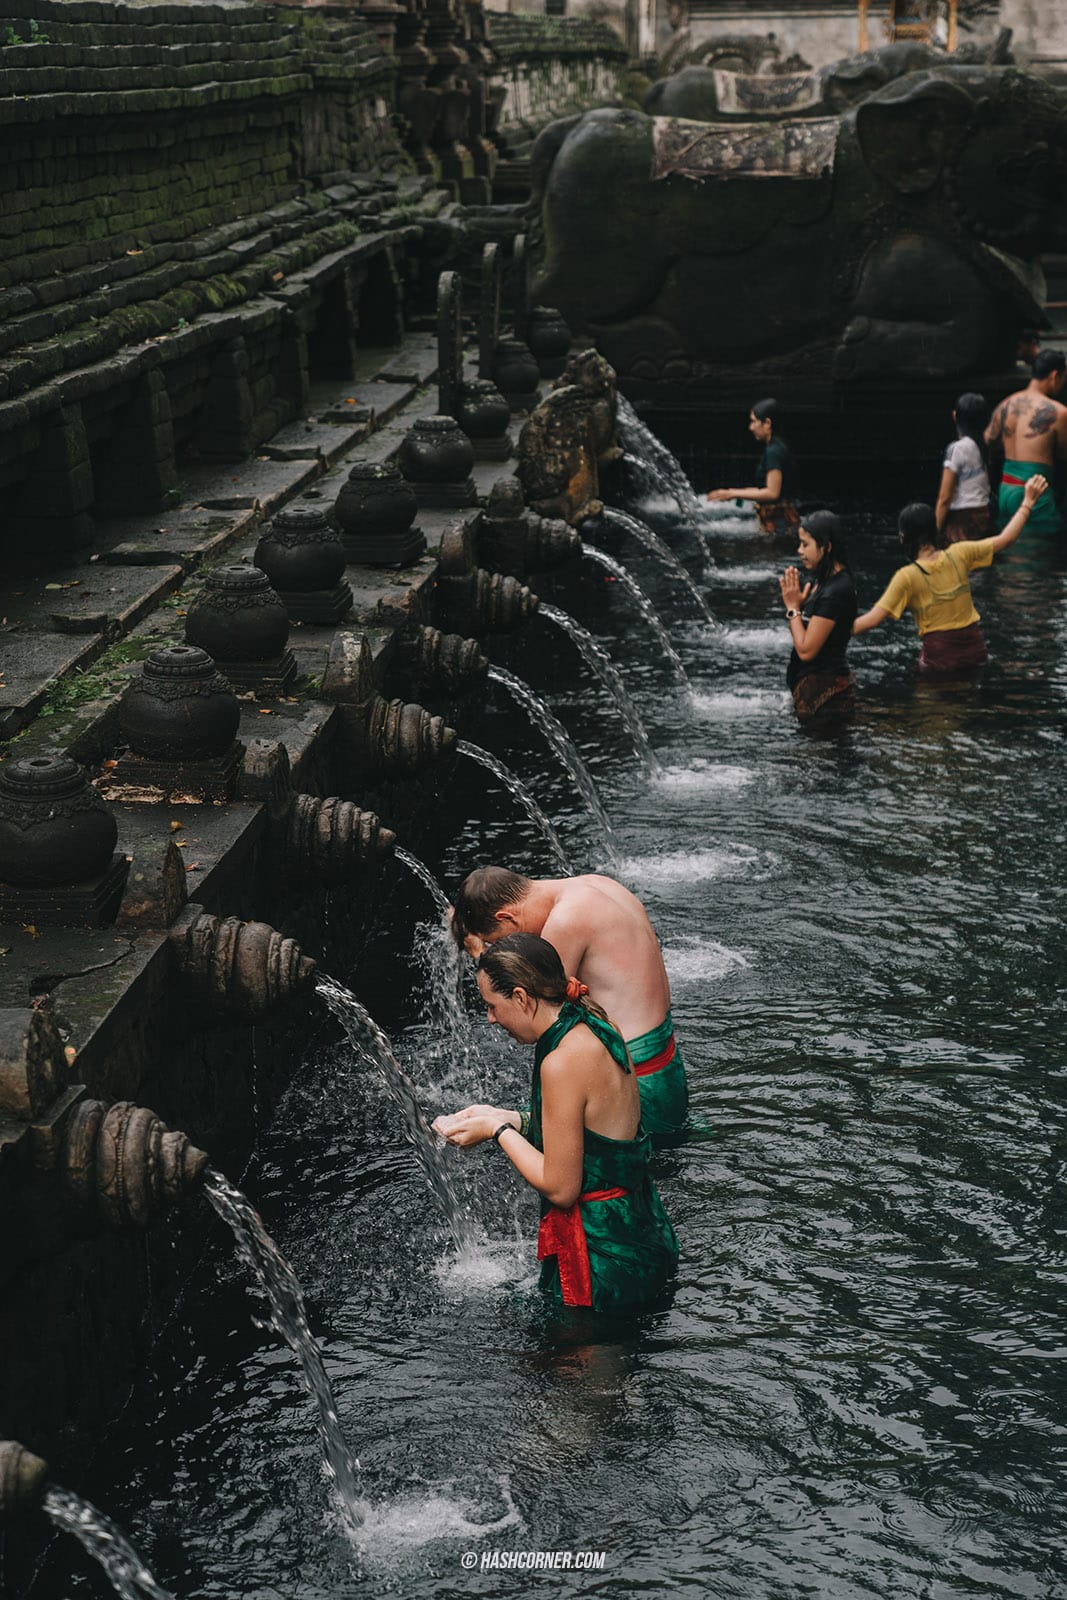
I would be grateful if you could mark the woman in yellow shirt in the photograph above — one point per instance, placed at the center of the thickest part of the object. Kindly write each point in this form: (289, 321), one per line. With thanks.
(934, 585)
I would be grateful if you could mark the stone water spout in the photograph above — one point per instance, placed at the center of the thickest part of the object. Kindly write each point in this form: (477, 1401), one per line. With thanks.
(442, 662)
(512, 539)
(122, 1162)
(331, 839)
(472, 600)
(390, 737)
(23, 1480)
(246, 969)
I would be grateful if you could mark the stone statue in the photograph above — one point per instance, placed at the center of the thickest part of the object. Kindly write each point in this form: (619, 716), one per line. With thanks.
(900, 239)
(589, 372)
(558, 458)
(704, 93)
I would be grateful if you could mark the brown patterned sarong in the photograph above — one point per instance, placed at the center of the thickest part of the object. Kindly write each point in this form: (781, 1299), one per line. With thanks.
(779, 518)
(968, 522)
(816, 692)
(952, 650)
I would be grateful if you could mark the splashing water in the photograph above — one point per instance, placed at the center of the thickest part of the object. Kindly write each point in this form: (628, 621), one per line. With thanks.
(625, 523)
(518, 790)
(640, 441)
(288, 1315)
(648, 487)
(562, 746)
(368, 1040)
(643, 604)
(104, 1542)
(597, 659)
(451, 1035)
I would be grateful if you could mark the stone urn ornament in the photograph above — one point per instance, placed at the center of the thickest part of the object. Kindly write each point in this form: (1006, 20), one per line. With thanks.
(516, 374)
(549, 339)
(58, 862)
(304, 560)
(180, 720)
(375, 511)
(484, 415)
(244, 626)
(436, 458)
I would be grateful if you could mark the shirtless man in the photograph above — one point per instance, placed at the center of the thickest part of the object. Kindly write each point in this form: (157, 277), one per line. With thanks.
(606, 942)
(1029, 430)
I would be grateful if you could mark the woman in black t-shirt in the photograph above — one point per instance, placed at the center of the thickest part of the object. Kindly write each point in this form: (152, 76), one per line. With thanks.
(773, 497)
(820, 617)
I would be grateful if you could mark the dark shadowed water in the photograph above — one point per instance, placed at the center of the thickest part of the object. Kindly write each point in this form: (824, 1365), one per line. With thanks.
(858, 1391)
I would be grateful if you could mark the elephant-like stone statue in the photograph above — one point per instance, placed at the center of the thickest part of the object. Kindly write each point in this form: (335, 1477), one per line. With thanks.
(710, 94)
(899, 240)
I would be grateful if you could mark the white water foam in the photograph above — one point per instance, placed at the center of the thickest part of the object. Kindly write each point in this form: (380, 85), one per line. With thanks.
(487, 1265)
(697, 962)
(702, 777)
(766, 638)
(731, 703)
(410, 1521)
(698, 866)
(745, 572)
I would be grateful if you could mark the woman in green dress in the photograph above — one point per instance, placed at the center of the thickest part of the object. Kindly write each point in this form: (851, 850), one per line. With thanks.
(605, 1240)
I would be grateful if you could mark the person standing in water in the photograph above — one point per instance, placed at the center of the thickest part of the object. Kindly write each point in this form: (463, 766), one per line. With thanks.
(820, 617)
(934, 585)
(962, 509)
(1027, 434)
(605, 940)
(773, 496)
(605, 1241)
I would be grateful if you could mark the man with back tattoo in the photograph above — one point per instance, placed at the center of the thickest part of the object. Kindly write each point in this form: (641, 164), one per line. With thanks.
(1028, 434)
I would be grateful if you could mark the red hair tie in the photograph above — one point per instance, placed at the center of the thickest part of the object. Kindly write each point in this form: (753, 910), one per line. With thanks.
(575, 990)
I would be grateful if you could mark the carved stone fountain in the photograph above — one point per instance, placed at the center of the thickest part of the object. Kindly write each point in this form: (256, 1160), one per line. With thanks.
(389, 738)
(471, 600)
(511, 538)
(332, 840)
(122, 1161)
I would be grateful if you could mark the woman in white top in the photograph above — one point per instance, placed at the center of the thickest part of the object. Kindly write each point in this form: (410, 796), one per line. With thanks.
(963, 500)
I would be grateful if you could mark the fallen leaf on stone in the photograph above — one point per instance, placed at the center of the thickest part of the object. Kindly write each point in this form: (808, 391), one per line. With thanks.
(135, 252)
(192, 866)
(174, 827)
(69, 1053)
(30, 928)
(107, 765)
(6, 951)
(264, 711)
(180, 844)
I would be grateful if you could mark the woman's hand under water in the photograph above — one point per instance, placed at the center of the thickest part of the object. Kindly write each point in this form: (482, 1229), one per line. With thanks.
(473, 1125)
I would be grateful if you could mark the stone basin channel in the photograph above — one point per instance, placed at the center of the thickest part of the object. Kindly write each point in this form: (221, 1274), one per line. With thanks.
(858, 1388)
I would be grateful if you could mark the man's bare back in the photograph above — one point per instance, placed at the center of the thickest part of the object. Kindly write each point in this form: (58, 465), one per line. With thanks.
(604, 938)
(1029, 426)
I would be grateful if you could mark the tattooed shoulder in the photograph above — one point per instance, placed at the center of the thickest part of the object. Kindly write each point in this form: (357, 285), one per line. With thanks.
(1042, 419)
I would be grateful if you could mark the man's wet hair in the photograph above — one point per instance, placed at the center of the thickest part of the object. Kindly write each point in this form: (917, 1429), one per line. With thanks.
(483, 893)
(1046, 362)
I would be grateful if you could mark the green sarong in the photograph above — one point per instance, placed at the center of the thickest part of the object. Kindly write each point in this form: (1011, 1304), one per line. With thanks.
(661, 1079)
(614, 1249)
(1045, 516)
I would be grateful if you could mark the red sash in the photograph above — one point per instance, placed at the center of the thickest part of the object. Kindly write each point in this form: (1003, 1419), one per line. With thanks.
(562, 1234)
(1019, 483)
(657, 1063)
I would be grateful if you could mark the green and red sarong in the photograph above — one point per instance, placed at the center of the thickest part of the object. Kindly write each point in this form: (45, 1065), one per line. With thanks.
(661, 1079)
(614, 1250)
(1045, 516)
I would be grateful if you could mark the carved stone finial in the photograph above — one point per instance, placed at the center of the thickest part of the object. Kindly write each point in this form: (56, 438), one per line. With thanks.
(125, 1162)
(445, 662)
(404, 738)
(23, 1479)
